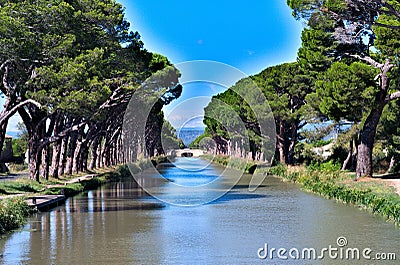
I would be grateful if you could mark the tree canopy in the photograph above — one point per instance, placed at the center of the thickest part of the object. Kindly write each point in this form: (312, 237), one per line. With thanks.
(70, 69)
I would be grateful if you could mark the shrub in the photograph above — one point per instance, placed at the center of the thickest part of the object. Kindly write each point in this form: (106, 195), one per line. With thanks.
(278, 170)
(329, 166)
(123, 171)
(13, 213)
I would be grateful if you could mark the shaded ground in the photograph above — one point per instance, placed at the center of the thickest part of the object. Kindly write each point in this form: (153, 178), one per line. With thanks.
(14, 176)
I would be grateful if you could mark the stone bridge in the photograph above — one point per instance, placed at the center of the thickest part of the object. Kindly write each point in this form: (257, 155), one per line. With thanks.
(188, 152)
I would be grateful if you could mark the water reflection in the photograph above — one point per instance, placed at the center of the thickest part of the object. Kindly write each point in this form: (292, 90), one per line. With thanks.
(117, 224)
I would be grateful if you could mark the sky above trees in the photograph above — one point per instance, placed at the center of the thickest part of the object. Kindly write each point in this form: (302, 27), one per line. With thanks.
(247, 35)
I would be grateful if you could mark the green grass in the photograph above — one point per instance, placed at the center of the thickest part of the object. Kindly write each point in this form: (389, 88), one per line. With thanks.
(104, 175)
(20, 186)
(13, 213)
(247, 166)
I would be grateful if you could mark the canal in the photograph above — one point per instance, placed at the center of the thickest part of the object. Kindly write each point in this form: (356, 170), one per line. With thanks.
(120, 224)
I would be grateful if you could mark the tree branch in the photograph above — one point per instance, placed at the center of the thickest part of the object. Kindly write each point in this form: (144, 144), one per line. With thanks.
(12, 111)
(61, 135)
(5, 83)
(391, 8)
(367, 59)
(393, 96)
(4, 64)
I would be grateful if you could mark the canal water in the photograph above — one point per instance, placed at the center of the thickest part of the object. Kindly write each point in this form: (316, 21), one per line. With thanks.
(120, 224)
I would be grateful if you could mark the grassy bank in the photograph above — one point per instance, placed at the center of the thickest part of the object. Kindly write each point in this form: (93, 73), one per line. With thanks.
(248, 166)
(55, 185)
(25, 186)
(327, 180)
(14, 209)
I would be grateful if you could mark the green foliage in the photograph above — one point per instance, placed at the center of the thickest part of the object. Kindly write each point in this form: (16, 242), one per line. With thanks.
(19, 147)
(388, 40)
(196, 143)
(248, 166)
(68, 190)
(304, 154)
(278, 170)
(388, 136)
(158, 62)
(329, 166)
(169, 139)
(285, 86)
(123, 171)
(347, 91)
(17, 167)
(20, 144)
(320, 143)
(13, 213)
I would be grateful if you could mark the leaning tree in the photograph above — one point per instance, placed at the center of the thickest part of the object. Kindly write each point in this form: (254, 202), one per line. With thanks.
(365, 30)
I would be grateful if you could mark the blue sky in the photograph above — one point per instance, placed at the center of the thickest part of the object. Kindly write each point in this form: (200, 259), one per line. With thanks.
(248, 35)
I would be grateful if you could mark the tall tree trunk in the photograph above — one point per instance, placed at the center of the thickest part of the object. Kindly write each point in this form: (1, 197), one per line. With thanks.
(281, 142)
(292, 145)
(63, 153)
(391, 164)
(55, 159)
(45, 162)
(3, 128)
(84, 158)
(36, 127)
(93, 153)
(349, 155)
(34, 159)
(367, 139)
(368, 132)
(99, 155)
(75, 160)
(70, 153)
(105, 152)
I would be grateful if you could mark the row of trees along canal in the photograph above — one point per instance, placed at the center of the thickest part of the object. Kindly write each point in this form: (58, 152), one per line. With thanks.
(347, 70)
(69, 68)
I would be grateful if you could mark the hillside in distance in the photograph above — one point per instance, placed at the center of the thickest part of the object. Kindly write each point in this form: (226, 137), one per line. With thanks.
(188, 135)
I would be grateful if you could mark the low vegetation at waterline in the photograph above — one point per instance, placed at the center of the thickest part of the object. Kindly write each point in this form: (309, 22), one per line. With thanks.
(325, 179)
(13, 213)
(54, 186)
(248, 166)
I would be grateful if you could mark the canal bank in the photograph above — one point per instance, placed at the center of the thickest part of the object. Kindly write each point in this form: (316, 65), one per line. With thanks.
(21, 198)
(373, 195)
(16, 208)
